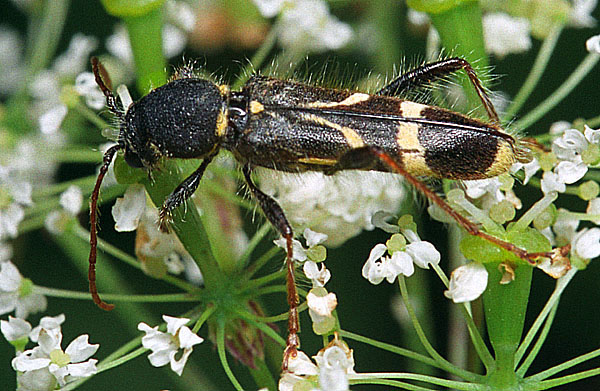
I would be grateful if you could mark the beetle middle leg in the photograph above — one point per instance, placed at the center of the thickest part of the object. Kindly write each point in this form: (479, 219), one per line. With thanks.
(277, 218)
(180, 194)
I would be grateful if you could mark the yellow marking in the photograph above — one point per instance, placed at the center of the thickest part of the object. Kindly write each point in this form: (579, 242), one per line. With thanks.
(256, 107)
(349, 101)
(222, 123)
(413, 159)
(317, 161)
(224, 89)
(352, 138)
(504, 159)
(411, 109)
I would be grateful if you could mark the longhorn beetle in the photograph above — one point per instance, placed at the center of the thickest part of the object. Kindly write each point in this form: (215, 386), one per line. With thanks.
(289, 126)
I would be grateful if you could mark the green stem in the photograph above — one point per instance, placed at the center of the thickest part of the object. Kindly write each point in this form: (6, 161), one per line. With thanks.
(553, 383)
(187, 224)
(561, 285)
(442, 362)
(505, 306)
(536, 72)
(557, 96)
(164, 298)
(223, 357)
(84, 235)
(453, 384)
(145, 35)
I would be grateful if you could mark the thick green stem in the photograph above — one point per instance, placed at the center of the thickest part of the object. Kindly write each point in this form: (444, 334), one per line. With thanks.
(145, 34)
(505, 306)
(187, 224)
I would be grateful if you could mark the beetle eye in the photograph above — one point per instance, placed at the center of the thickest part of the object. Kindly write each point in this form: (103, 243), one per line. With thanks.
(133, 159)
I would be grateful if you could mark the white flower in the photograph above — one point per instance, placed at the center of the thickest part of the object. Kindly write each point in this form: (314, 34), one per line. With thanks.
(505, 34)
(551, 182)
(319, 277)
(299, 253)
(307, 25)
(340, 206)
(15, 293)
(86, 86)
(334, 366)
(48, 357)
(127, 210)
(77, 55)
(592, 45)
(15, 329)
(71, 200)
(313, 238)
(166, 346)
(49, 325)
(17, 195)
(320, 307)
(586, 243)
(51, 120)
(299, 369)
(581, 13)
(467, 282)
(377, 268)
(334, 363)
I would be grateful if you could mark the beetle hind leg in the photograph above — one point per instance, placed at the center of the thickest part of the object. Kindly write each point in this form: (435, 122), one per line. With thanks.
(277, 218)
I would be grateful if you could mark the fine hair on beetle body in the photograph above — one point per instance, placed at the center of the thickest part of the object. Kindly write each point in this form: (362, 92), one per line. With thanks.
(290, 126)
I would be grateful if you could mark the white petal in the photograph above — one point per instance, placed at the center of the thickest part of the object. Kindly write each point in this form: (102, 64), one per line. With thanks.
(128, 210)
(313, 238)
(321, 302)
(592, 135)
(269, 8)
(14, 328)
(26, 361)
(467, 283)
(401, 263)
(178, 365)
(587, 243)
(10, 278)
(298, 252)
(79, 349)
(570, 172)
(36, 380)
(593, 44)
(83, 369)
(319, 277)
(594, 209)
(72, 200)
(423, 254)
(160, 358)
(187, 338)
(551, 182)
(174, 324)
(302, 365)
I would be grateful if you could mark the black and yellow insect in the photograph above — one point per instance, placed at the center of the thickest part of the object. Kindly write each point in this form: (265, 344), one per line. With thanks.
(289, 126)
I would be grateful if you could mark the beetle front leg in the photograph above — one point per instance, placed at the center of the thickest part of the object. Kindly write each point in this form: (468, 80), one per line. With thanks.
(277, 218)
(180, 194)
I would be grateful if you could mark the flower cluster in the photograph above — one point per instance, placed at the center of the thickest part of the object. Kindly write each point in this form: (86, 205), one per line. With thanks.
(339, 206)
(321, 303)
(405, 250)
(173, 347)
(334, 363)
(47, 365)
(306, 25)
